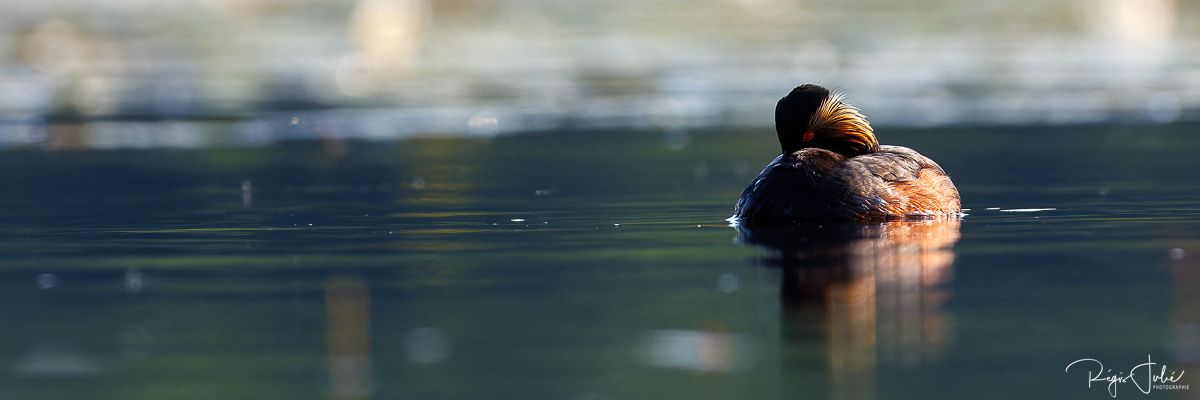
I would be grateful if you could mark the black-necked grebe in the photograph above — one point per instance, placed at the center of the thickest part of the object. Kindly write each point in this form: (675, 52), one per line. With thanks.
(832, 167)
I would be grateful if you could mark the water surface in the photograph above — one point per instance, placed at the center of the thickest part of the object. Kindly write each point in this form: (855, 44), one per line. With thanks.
(588, 265)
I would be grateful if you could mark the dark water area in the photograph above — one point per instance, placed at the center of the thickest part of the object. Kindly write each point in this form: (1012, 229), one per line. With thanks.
(590, 265)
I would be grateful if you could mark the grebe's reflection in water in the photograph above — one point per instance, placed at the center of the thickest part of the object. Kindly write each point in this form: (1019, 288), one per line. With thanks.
(856, 299)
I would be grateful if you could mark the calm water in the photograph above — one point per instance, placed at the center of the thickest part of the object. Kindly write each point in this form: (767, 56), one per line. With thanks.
(589, 265)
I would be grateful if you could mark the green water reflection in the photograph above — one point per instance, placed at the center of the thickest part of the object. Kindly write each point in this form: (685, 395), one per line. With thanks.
(587, 265)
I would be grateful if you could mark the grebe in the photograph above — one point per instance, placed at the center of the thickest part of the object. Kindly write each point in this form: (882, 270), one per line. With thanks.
(833, 168)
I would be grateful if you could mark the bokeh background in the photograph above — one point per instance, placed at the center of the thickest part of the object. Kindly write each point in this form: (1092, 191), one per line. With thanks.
(396, 68)
(521, 199)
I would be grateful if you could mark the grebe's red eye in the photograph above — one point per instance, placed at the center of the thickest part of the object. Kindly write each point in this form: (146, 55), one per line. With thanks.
(808, 135)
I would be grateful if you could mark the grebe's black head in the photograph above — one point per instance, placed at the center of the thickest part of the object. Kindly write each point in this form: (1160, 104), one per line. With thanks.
(811, 116)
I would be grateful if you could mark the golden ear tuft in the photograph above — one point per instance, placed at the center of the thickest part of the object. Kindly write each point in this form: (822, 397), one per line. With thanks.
(837, 119)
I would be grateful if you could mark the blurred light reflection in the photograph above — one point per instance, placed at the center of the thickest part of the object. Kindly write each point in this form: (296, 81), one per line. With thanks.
(1185, 319)
(426, 345)
(347, 306)
(57, 363)
(702, 351)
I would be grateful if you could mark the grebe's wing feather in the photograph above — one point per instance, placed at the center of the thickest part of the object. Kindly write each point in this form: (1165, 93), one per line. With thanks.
(890, 164)
(921, 160)
(900, 181)
(755, 201)
(796, 186)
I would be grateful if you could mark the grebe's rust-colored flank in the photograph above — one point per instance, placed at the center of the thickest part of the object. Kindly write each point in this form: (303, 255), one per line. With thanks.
(832, 167)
